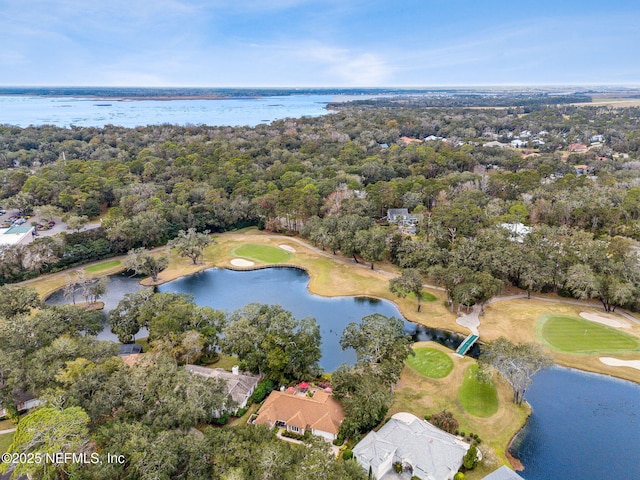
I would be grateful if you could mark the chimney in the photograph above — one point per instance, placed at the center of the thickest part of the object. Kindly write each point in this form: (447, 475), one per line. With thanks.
(235, 370)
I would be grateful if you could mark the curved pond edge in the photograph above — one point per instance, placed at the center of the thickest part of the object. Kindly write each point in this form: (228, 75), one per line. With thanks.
(146, 282)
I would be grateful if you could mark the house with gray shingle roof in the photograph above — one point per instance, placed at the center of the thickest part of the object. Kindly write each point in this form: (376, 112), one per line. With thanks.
(240, 385)
(422, 449)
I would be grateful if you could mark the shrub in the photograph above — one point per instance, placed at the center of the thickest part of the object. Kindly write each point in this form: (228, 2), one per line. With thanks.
(444, 420)
(347, 454)
(470, 459)
(459, 476)
(263, 389)
(241, 411)
(338, 441)
(222, 419)
(295, 436)
(397, 467)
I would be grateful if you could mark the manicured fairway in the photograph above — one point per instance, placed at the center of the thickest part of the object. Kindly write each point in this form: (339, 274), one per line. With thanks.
(262, 253)
(430, 362)
(478, 398)
(99, 267)
(575, 335)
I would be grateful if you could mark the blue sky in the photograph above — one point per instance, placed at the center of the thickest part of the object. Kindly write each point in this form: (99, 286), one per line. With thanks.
(323, 43)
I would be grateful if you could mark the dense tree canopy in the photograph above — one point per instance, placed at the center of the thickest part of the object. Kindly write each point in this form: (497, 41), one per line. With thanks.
(269, 340)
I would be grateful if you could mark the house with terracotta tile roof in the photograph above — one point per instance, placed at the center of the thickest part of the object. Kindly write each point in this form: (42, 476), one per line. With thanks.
(410, 141)
(578, 148)
(298, 412)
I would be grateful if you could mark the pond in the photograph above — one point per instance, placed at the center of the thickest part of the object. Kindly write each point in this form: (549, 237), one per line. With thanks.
(117, 288)
(583, 426)
(229, 290)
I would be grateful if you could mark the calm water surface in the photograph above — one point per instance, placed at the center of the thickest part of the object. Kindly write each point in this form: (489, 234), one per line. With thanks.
(229, 290)
(117, 288)
(584, 426)
(23, 111)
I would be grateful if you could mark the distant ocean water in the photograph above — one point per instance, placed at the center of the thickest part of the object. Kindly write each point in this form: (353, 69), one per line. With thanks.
(25, 110)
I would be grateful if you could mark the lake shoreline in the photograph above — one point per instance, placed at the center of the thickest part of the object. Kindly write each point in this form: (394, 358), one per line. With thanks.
(181, 268)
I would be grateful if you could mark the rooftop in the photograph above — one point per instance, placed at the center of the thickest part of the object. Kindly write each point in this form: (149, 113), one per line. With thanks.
(432, 453)
(239, 385)
(320, 412)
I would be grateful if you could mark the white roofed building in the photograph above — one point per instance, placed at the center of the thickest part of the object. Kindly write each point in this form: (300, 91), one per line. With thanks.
(422, 449)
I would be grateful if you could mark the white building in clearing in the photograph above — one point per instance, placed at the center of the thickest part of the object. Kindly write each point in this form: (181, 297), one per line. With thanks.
(16, 235)
(422, 449)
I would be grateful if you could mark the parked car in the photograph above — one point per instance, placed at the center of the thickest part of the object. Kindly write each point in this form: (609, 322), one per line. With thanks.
(20, 221)
(5, 224)
(51, 223)
(2, 211)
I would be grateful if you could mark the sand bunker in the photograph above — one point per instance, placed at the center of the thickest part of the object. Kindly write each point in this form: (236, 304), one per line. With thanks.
(241, 262)
(288, 248)
(616, 362)
(605, 319)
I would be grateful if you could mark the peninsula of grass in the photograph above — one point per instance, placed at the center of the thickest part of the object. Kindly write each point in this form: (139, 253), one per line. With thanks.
(262, 253)
(576, 335)
(478, 398)
(430, 362)
(99, 267)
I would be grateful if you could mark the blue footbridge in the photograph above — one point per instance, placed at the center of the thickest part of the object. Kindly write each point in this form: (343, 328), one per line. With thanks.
(467, 343)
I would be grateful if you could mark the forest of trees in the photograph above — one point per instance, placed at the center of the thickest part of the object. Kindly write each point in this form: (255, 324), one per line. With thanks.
(330, 180)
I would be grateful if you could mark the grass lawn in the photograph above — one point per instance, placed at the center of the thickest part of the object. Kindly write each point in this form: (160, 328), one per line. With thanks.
(6, 424)
(423, 396)
(99, 267)
(430, 362)
(478, 398)
(426, 296)
(225, 362)
(5, 441)
(262, 253)
(576, 335)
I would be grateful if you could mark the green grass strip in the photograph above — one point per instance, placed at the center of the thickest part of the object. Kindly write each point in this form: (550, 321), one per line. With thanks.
(430, 362)
(478, 398)
(98, 267)
(262, 253)
(5, 441)
(576, 335)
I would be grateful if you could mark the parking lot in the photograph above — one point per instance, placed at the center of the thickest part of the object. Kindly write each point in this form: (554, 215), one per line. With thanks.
(59, 226)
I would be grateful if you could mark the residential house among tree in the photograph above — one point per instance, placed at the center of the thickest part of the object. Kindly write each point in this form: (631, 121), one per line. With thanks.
(405, 220)
(423, 450)
(578, 148)
(316, 411)
(22, 400)
(240, 386)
